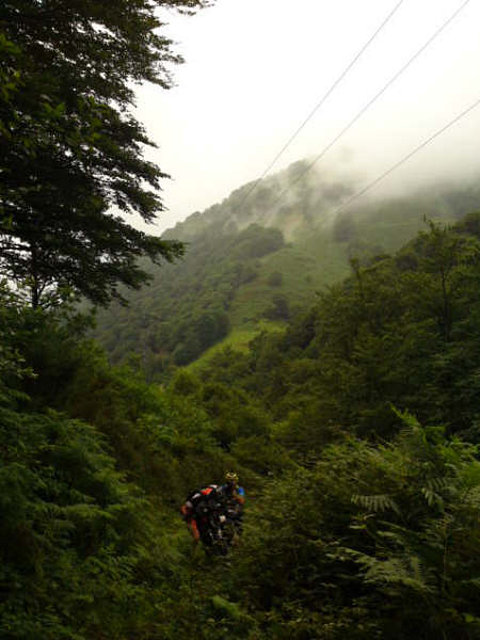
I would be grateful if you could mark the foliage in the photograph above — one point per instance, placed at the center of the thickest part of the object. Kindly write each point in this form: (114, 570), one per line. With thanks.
(370, 542)
(72, 532)
(187, 311)
(359, 522)
(86, 553)
(275, 279)
(237, 261)
(70, 150)
(279, 309)
(402, 330)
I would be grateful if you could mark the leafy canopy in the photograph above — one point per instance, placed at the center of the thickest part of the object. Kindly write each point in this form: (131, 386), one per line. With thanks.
(71, 153)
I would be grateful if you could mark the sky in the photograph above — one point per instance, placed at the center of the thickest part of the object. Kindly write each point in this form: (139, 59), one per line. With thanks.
(255, 69)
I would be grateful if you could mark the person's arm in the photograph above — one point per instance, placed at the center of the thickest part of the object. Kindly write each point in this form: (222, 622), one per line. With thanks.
(240, 495)
(187, 513)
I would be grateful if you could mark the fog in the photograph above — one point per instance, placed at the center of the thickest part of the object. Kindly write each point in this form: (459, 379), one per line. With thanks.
(256, 68)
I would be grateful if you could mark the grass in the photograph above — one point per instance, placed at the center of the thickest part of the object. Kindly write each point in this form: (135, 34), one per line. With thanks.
(305, 270)
(238, 340)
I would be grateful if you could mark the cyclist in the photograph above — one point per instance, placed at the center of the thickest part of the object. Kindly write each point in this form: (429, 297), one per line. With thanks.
(198, 507)
(235, 499)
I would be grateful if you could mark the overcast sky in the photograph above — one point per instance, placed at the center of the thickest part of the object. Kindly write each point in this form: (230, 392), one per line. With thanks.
(255, 69)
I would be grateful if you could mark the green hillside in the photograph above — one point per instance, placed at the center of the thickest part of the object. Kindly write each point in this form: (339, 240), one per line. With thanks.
(354, 427)
(349, 413)
(253, 260)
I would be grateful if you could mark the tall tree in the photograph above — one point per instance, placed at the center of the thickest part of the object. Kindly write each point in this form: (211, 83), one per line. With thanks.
(72, 162)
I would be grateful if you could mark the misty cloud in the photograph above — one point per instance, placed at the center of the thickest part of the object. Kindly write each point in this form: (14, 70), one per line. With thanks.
(255, 69)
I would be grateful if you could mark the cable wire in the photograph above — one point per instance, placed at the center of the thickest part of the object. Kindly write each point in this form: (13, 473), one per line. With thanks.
(322, 101)
(407, 157)
(375, 98)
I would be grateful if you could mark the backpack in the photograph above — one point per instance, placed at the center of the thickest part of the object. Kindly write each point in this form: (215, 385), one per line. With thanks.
(206, 499)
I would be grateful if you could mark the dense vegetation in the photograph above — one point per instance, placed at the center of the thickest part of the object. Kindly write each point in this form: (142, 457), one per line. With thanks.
(188, 311)
(354, 425)
(88, 547)
(363, 520)
(238, 275)
(400, 331)
(373, 529)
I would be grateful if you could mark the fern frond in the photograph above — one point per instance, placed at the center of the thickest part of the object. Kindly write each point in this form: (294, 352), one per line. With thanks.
(396, 572)
(377, 503)
(432, 498)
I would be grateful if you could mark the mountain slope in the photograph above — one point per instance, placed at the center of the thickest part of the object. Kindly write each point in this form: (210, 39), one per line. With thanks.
(258, 257)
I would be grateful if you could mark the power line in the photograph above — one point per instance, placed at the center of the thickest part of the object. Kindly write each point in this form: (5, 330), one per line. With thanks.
(375, 98)
(407, 157)
(321, 102)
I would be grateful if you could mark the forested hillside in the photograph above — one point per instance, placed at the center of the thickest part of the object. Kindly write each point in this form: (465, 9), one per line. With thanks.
(252, 262)
(351, 417)
(354, 431)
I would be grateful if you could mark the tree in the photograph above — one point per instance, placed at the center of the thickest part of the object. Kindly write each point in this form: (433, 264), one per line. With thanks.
(72, 153)
(344, 228)
(275, 279)
(279, 310)
(369, 542)
(441, 251)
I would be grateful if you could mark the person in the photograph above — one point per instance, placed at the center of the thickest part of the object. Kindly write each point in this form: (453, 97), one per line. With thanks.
(222, 501)
(235, 499)
(198, 506)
